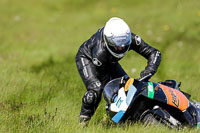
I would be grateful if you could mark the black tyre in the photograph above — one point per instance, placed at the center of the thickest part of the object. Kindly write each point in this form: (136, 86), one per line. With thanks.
(150, 119)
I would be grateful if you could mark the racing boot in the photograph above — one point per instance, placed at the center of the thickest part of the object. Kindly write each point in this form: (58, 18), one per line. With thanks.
(89, 104)
(84, 120)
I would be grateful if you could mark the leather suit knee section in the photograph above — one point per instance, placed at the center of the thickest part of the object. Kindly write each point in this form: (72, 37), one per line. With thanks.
(93, 94)
(90, 97)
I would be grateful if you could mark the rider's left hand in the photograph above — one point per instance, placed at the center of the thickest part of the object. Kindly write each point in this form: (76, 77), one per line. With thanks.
(146, 73)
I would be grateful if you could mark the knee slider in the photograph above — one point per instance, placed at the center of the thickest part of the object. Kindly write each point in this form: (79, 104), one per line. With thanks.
(90, 97)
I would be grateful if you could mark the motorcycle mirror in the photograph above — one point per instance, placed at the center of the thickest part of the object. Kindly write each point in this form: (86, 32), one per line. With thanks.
(179, 84)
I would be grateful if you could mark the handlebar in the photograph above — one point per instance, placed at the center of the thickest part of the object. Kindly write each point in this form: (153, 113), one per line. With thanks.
(145, 77)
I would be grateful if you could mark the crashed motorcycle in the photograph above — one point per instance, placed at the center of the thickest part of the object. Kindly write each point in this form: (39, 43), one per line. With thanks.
(149, 102)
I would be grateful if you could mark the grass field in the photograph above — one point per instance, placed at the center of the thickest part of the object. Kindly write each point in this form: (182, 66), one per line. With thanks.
(41, 90)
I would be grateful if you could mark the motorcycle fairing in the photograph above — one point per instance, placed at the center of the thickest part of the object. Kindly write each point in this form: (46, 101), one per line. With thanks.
(175, 98)
(128, 83)
(150, 90)
(160, 95)
(119, 102)
(153, 91)
(122, 102)
(118, 116)
(167, 95)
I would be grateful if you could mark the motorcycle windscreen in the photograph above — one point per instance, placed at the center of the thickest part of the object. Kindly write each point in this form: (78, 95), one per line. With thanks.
(175, 98)
(111, 89)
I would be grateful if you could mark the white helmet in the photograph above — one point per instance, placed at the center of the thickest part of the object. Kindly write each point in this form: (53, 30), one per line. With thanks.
(117, 36)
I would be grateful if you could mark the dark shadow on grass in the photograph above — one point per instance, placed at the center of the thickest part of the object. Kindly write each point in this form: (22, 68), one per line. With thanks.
(52, 77)
(59, 74)
(60, 70)
(45, 64)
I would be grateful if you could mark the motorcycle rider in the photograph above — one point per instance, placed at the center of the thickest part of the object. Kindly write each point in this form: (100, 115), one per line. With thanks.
(97, 61)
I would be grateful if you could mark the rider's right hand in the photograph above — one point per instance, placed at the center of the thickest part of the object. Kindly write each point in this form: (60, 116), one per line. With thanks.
(124, 79)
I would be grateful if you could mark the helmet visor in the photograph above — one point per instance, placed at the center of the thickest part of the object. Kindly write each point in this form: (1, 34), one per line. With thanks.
(119, 49)
(118, 41)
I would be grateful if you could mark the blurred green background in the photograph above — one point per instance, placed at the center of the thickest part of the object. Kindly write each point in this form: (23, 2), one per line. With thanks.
(41, 90)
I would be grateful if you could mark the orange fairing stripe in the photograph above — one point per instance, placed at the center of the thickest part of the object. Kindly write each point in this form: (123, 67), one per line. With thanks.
(175, 98)
(128, 83)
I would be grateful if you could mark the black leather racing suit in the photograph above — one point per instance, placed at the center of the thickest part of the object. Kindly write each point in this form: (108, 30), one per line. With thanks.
(97, 66)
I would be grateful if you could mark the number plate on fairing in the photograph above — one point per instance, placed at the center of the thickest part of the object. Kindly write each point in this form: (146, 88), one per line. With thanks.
(122, 102)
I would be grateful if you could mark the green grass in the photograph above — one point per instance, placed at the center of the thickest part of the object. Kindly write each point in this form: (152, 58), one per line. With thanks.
(41, 90)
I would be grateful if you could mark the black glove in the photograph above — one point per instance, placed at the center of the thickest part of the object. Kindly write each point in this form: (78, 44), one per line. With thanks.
(146, 73)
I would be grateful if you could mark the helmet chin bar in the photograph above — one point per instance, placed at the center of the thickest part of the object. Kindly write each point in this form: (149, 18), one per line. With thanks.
(115, 54)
